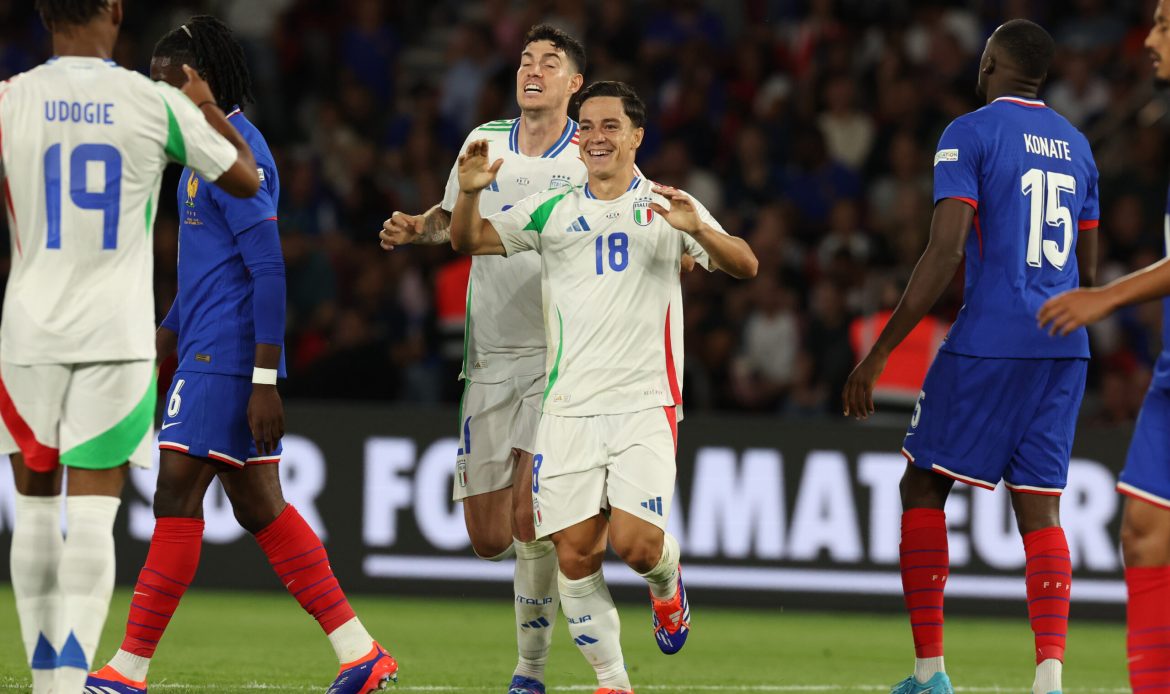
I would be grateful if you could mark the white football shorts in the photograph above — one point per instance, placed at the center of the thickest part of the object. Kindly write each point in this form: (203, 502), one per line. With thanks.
(93, 416)
(494, 419)
(583, 466)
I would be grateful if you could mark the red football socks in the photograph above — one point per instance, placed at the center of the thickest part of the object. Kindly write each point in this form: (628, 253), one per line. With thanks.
(1048, 574)
(925, 562)
(1148, 624)
(298, 557)
(169, 569)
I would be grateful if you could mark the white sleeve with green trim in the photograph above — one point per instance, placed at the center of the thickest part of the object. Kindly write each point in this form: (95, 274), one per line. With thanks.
(520, 227)
(191, 141)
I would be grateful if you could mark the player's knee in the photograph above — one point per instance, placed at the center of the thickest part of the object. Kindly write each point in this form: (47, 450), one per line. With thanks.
(1141, 546)
(639, 553)
(491, 544)
(172, 501)
(254, 520)
(576, 563)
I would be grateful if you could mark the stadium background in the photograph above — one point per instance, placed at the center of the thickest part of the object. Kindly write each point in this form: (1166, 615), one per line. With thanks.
(806, 126)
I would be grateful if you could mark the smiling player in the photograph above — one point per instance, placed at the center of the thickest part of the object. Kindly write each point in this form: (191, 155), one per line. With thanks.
(504, 347)
(610, 253)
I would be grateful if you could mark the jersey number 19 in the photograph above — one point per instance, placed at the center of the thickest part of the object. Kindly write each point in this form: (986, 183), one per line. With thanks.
(108, 200)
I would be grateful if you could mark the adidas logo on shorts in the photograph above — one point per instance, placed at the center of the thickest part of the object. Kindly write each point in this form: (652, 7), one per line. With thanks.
(654, 505)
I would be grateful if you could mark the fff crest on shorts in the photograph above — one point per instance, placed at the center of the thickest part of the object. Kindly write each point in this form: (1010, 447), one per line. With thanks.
(643, 215)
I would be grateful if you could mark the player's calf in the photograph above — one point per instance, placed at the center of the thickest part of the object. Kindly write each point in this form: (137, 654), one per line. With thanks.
(1147, 581)
(488, 518)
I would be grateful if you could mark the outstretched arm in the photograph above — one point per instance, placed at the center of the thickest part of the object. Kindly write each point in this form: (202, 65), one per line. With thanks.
(935, 270)
(728, 253)
(1071, 310)
(471, 233)
(431, 228)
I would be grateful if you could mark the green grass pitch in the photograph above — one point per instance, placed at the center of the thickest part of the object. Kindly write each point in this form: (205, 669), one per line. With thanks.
(240, 642)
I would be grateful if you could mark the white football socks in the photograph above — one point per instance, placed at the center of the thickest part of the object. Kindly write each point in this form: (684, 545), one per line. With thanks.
(595, 627)
(537, 601)
(663, 578)
(925, 668)
(86, 577)
(1048, 676)
(351, 641)
(36, 552)
(132, 667)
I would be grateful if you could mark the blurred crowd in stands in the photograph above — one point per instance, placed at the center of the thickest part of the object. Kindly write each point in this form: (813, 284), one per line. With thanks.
(806, 126)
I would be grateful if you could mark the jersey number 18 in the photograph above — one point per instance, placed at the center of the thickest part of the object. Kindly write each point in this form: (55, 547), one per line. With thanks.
(108, 200)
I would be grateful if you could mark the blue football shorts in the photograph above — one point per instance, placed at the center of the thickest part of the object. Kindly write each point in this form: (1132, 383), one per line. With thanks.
(207, 417)
(1146, 475)
(979, 420)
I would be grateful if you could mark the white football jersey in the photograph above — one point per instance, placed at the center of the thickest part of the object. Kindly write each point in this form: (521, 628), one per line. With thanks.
(610, 273)
(83, 144)
(505, 324)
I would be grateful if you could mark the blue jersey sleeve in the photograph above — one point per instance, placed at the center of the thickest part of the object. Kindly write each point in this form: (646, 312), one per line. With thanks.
(261, 252)
(242, 214)
(1091, 209)
(957, 163)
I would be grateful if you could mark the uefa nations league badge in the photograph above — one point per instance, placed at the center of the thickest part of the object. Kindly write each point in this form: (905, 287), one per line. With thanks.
(643, 215)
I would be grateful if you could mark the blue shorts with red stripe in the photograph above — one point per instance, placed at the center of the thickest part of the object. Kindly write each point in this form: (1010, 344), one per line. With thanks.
(207, 417)
(1146, 475)
(980, 420)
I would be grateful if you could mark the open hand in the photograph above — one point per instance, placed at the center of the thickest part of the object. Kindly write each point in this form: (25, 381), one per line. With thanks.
(400, 230)
(682, 214)
(1063, 314)
(474, 172)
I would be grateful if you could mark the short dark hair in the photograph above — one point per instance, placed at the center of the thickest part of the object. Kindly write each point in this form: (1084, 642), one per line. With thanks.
(1030, 47)
(631, 103)
(207, 44)
(66, 12)
(561, 41)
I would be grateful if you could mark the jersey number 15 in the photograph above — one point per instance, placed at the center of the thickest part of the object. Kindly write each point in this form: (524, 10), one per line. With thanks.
(1043, 188)
(108, 200)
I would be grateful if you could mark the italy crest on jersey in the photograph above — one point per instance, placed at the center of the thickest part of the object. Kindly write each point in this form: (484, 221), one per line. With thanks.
(643, 215)
(560, 181)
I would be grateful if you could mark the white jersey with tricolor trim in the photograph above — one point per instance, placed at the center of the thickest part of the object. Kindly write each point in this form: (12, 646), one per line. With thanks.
(84, 144)
(610, 274)
(504, 327)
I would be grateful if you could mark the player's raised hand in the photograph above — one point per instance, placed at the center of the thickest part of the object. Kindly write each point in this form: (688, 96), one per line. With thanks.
(857, 395)
(265, 418)
(475, 173)
(1063, 314)
(400, 230)
(682, 214)
(196, 88)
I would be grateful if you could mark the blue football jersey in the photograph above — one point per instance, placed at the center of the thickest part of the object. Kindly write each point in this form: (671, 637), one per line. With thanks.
(216, 329)
(1162, 367)
(1031, 177)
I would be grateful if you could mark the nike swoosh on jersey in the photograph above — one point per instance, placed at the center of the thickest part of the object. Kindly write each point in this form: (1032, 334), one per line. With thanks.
(169, 425)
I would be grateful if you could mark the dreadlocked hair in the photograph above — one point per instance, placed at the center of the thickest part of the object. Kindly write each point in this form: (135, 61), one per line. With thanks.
(207, 44)
(56, 13)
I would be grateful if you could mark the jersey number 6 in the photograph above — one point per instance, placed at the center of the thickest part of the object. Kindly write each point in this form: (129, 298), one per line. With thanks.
(108, 200)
